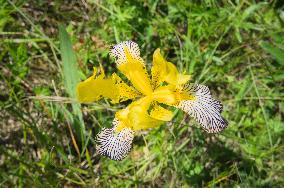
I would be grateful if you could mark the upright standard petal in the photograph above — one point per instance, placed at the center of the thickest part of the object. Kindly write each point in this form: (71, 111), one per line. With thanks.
(129, 62)
(114, 144)
(203, 108)
(164, 71)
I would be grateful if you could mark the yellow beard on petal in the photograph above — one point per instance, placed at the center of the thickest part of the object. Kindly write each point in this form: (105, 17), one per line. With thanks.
(180, 96)
(120, 127)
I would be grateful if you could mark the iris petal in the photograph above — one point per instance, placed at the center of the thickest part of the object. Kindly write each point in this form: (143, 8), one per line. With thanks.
(129, 62)
(160, 113)
(163, 71)
(115, 145)
(125, 91)
(165, 95)
(204, 109)
(96, 87)
(136, 115)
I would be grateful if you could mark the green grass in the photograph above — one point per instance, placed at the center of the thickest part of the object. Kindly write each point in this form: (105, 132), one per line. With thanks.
(236, 49)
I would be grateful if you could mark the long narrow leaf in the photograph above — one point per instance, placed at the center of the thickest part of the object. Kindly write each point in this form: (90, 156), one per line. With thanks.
(71, 76)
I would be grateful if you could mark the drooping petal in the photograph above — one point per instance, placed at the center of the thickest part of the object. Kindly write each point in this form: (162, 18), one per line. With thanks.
(163, 71)
(96, 87)
(115, 144)
(204, 109)
(129, 62)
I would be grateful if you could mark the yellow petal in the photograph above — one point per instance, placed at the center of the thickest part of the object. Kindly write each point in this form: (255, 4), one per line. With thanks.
(184, 93)
(161, 113)
(165, 95)
(136, 116)
(171, 94)
(129, 62)
(163, 71)
(125, 92)
(94, 88)
(183, 78)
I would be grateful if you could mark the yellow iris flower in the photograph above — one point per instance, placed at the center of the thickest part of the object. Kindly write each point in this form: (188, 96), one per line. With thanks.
(166, 86)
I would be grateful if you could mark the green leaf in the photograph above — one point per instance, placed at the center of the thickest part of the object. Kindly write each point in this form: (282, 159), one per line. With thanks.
(275, 52)
(69, 63)
(71, 78)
